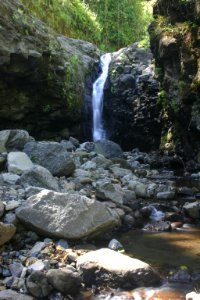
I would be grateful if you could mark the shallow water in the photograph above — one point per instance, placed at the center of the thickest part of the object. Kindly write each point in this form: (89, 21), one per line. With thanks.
(163, 250)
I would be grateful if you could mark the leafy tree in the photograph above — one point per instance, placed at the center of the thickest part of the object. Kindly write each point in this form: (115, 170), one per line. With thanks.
(110, 24)
(122, 21)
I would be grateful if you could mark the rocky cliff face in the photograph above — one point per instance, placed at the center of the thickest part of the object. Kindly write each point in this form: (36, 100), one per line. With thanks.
(42, 75)
(131, 112)
(175, 43)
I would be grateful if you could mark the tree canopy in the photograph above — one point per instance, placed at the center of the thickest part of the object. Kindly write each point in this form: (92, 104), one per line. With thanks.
(110, 24)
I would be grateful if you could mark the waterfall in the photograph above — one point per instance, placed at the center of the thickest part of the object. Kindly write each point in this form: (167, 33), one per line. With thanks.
(156, 215)
(97, 99)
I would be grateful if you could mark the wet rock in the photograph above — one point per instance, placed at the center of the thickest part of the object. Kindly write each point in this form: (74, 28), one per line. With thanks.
(129, 221)
(108, 149)
(66, 215)
(168, 195)
(6, 232)
(65, 281)
(146, 211)
(13, 139)
(18, 162)
(182, 276)
(39, 177)
(38, 285)
(52, 156)
(12, 295)
(115, 245)
(107, 267)
(131, 111)
(157, 226)
(192, 209)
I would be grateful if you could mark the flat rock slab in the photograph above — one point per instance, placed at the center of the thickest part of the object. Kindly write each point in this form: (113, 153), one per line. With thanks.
(108, 267)
(66, 215)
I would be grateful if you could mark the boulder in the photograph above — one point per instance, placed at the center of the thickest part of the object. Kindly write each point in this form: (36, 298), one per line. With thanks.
(120, 172)
(108, 267)
(68, 145)
(108, 149)
(18, 162)
(52, 156)
(109, 191)
(6, 232)
(37, 285)
(66, 215)
(193, 209)
(10, 178)
(65, 281)
(12, 295)
(167, 195)
(39, 177)
(13, 139)
(139, 188)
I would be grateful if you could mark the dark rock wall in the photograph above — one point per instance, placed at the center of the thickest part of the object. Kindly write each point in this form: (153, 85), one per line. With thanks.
(175, 43)
(131, 113)
(43, 76)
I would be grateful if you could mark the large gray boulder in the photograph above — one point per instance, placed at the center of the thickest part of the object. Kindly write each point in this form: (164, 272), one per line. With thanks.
(108, 149)
(66, 215)
(13, 139)
(108, 267)
(39, 177)
(52, 156)
(18, 162)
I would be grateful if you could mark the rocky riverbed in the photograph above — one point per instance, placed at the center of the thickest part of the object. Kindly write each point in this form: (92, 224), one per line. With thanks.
(61, 202)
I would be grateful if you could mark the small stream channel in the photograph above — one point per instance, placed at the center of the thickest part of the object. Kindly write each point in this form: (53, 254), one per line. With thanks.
(173, 254)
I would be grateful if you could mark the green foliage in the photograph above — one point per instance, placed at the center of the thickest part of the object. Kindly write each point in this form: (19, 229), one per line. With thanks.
(122, 21)
(175, 105)
(68, 17)
(110, 24)
(72, 90)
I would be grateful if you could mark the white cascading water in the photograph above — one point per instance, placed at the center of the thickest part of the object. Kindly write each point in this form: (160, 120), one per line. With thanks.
(156, 215)
(97, 99)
